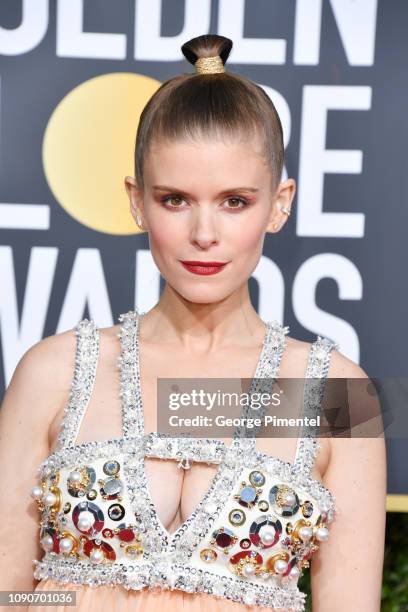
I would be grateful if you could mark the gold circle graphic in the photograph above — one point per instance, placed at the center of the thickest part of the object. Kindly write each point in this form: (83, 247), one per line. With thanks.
(88, 149)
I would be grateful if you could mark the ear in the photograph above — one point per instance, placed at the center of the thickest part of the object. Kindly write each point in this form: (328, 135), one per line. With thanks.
(136, 201)
(283, 198)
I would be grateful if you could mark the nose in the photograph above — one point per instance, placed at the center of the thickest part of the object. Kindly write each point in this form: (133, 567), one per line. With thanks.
(204, 231)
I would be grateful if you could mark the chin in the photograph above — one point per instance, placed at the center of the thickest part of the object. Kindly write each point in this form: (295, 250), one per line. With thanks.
(202, 295)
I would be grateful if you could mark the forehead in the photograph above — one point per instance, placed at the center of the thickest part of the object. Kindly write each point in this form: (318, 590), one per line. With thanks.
(217, 161)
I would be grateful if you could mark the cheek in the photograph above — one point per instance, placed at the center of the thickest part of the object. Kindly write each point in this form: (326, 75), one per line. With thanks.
(164, 231)
(249, 236)
(165, 240)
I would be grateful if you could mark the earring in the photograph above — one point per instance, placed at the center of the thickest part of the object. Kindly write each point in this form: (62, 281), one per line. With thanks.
(139, 221)
(284, 209)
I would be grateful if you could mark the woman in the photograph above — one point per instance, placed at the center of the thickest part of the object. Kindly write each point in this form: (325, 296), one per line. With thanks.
(208, 163)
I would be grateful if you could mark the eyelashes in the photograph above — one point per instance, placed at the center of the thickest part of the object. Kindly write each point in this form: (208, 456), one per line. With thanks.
(243, 203)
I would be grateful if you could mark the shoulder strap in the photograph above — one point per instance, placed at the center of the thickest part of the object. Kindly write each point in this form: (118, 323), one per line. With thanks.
(86, 360)
(129, 368)
(265, 375)
(315, 381)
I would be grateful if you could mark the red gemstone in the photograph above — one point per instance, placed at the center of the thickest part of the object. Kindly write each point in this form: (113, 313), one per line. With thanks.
(223, 540)
(250, 554)
(56, 547)
(126, 535)
(88, 546)
(109, 552)
(107, 549)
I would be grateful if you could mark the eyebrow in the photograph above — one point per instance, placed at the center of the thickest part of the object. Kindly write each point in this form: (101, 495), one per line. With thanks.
(223, 192)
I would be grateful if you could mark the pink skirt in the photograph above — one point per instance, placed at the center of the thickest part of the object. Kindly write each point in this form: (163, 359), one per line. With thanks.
(111, 598)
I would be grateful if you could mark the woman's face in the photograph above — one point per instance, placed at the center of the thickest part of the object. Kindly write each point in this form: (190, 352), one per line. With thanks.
(210, 201)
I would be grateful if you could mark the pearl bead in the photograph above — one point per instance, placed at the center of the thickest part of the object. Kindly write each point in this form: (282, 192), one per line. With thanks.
(66, 545)
(289, 499)
(305, 533)
(74, 476)
(50, 499)
(280, 566)
(294, 572)
(249, 570)
(85, 521)
(47, 542)
(36, 492)
(267, 536)
(322, 534)
(96, 555)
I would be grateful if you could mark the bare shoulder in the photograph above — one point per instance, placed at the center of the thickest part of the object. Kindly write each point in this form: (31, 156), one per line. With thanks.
(343, 367)
(48, 360)
(340, 365)
(40, 385)
(58, 352)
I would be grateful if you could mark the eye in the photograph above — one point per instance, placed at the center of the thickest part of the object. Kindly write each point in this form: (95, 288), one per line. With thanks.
(237, 201)
(174, 199)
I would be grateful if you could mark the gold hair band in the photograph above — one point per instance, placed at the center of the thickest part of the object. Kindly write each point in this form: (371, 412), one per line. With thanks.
(209, 65)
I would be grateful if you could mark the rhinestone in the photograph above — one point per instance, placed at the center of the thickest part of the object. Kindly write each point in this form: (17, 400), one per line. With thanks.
(307, 509)
(112, 488)
(224, 538)
(237, 517)
(248, 496)
(133, 551)
(111, 468)
(208, 555)
(256, 478)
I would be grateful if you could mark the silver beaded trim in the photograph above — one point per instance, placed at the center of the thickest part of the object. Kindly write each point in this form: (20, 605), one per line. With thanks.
(153, 444)
(86, 360)
(165, 573)
(128, 363)
(205, 450)
(315, 379)
(266, 372)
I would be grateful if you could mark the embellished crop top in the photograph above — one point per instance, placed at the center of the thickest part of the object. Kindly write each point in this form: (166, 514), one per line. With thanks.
(254, 530)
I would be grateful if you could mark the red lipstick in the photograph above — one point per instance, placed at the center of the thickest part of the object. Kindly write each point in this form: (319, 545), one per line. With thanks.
(204, 267)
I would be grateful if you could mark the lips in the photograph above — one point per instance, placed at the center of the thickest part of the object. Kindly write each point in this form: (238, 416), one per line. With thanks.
(204, 267)
(204, 263)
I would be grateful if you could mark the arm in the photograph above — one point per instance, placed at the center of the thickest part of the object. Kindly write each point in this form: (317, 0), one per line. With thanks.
(40, 383)
(346, 572)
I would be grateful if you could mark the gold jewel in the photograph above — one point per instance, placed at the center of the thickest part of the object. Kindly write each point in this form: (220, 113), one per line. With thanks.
(209, 65)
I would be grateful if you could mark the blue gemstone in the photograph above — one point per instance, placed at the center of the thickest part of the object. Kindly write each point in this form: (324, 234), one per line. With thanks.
(248, 494)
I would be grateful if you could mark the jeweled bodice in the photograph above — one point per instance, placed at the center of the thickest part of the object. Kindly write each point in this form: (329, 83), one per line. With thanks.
(258, 524)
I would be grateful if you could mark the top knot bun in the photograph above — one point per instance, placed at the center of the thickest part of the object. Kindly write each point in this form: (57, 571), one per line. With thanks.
(207, 46)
